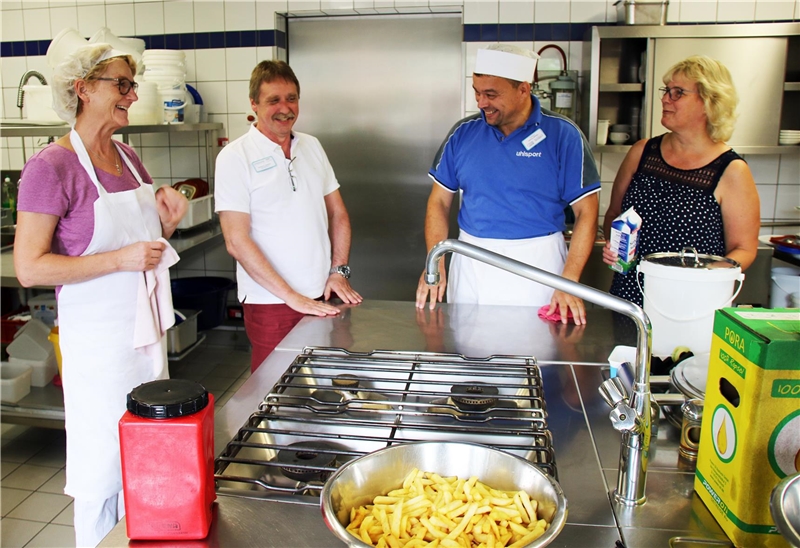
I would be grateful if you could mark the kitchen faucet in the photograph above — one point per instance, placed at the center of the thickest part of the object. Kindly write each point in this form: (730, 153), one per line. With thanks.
(630, 414)
(24, 80)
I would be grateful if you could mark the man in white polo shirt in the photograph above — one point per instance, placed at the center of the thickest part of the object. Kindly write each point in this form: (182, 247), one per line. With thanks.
(517, 168)
(282, 216)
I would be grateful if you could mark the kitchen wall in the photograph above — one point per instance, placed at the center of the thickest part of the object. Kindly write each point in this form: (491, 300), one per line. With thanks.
(223, 40)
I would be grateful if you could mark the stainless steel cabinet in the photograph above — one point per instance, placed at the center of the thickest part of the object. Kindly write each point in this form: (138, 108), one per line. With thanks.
(623, 67)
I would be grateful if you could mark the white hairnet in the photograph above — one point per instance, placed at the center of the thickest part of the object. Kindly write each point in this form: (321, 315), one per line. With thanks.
(75, 66)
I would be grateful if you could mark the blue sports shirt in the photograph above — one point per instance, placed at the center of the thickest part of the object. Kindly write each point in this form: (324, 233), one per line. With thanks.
(517, 186)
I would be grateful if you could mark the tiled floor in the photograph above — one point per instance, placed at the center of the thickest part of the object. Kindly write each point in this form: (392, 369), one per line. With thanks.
(35, 510)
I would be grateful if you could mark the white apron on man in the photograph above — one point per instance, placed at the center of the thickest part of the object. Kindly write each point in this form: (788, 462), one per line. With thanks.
(474, 282)
(96, 330)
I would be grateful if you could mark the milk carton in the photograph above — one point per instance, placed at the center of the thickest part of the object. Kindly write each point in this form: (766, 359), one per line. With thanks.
(624, 237)
(750, 435)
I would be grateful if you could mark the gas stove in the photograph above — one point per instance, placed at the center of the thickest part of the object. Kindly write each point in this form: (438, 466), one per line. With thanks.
(332, 406)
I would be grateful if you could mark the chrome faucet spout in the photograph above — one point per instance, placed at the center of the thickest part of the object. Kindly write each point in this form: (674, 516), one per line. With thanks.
(24, 80)
(634, 450)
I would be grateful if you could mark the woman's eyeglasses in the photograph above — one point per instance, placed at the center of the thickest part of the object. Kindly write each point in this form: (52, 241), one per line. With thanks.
(123, 84)
(674, 93)
(291, 174)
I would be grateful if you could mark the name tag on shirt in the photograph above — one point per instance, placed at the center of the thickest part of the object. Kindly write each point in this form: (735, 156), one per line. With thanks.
(264, 164)
(533, 139)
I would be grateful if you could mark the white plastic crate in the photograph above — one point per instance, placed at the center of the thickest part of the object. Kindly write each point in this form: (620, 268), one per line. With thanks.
(15, 382)
(200, 211)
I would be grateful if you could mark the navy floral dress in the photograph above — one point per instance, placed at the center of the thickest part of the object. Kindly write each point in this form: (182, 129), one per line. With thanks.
(677, 207)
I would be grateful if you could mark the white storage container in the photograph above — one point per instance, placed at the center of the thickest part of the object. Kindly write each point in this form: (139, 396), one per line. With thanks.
(42, 371)
(642, 12)
(15, 382)
(200, 211)
(31, 342)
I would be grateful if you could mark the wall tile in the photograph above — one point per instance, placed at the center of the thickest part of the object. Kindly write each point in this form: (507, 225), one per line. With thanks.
(36, 23)
(605, 198)
(698, 11)
(237, 125)
(156, 159)
(62, 17)
(516, 11)
(593, 11)
(470, 56)
(735, 11)
(774, 10)
(121, 20)
(15, 159)
(238, 97)
(91, 19)
(304, 5)
(550, 11)
(12, 69)
(240, 63)
(240, 15)
(215, 97)
(209, 65)
(159, 140)
(149, 18)
(764, 168)
(191, 65)
(786, 201)
(766, 195)
(184, 162)
(481, 11)
(265, 13)
(674, 11)
(184, 139)
(333, 6)
(4, 162)
(13, 27)
(209, 16)
(8, 5)
(265, 53)
(39, 63)
(609, 163)
(789, 170)
(178, 17)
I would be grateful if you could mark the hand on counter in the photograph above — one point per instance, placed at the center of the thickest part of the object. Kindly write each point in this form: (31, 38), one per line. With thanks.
(433, 292)
(340, 286)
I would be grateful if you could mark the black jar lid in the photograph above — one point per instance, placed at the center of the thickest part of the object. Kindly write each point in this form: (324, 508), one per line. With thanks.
(167, 399)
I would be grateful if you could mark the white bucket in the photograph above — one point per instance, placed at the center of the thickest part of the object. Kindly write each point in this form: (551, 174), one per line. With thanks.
(681, 303)
(785, 287)
(39, 104)
(174, 101)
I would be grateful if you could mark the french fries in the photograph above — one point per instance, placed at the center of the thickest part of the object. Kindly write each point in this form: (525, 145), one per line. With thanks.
(429, 510)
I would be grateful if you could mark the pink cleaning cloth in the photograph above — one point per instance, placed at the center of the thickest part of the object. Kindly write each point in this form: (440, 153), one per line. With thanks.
(555, 316)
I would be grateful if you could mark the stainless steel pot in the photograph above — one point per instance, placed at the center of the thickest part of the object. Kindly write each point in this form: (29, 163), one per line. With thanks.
(359, 481)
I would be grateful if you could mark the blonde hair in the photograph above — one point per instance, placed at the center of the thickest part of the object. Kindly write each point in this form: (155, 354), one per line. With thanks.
(716, 89)
(85, 63)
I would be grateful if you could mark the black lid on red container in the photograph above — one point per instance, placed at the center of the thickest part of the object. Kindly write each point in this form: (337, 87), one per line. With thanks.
(167, 399)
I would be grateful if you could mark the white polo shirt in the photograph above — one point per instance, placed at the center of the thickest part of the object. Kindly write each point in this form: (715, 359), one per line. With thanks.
(288, 223)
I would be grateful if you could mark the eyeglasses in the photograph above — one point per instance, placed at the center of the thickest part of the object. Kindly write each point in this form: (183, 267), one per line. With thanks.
(674, 93)
(291, 174)
(123, 84)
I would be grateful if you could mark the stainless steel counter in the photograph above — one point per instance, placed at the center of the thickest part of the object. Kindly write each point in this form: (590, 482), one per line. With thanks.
(587, 447)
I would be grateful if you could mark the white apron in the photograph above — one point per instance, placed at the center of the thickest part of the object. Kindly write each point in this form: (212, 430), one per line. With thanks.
(96, 327)
(474, 282)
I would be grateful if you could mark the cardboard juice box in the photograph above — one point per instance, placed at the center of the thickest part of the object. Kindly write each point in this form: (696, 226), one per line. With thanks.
(624, 238)
(750, 434)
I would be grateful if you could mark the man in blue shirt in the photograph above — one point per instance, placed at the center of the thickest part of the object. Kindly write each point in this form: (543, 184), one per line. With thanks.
(517, 168)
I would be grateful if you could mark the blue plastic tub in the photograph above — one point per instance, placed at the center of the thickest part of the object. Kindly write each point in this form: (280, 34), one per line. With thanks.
(207, 294)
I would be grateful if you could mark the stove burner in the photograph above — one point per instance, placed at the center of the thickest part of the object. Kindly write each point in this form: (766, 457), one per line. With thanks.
(307, 453)
(346, 380)
(476, 396)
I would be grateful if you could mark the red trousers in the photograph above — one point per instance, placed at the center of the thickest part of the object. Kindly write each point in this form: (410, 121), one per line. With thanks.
(266, 325)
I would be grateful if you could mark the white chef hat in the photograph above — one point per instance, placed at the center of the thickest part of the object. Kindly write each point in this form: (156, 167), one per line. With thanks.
(74, 66)
(506, 61)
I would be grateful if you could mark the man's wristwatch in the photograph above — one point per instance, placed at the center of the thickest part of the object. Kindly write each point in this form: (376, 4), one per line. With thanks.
(343, 270)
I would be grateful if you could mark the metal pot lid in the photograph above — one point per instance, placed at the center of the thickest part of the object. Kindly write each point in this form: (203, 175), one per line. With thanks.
(688, 257)
(690, 376)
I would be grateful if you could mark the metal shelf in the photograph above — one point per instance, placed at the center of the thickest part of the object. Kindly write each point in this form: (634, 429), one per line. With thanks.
(623, 88)
(791, 86)
(59, 130)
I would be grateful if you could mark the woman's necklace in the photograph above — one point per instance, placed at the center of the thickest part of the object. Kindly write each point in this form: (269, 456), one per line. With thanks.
(116, 162)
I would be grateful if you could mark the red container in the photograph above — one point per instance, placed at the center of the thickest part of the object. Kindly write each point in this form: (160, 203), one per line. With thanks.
(167, 449)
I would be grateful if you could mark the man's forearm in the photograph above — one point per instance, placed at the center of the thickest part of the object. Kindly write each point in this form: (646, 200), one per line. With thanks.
(580, 247)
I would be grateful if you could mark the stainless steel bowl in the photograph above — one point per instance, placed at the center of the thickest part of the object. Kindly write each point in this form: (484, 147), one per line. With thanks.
(784, 504)
(361, 480)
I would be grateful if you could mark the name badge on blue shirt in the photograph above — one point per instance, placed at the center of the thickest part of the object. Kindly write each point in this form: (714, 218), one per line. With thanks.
(533, 139)
(264, 164)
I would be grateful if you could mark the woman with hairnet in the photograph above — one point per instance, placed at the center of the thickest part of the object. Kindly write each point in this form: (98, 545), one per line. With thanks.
(91, 224)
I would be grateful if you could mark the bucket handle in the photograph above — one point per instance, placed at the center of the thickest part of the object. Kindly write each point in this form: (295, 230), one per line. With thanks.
(739, 279)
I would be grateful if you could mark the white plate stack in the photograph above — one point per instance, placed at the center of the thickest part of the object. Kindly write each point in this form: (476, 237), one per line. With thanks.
(789, 137)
